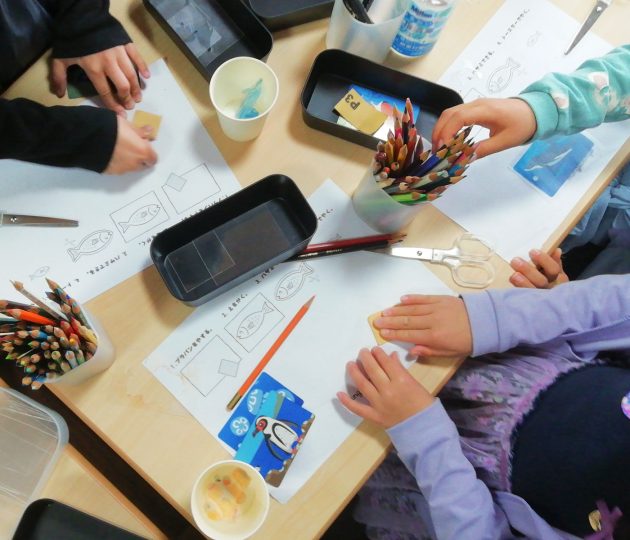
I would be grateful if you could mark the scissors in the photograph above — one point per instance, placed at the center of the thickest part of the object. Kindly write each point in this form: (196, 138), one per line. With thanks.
(599, 8)
(467, 258)
(35, 221)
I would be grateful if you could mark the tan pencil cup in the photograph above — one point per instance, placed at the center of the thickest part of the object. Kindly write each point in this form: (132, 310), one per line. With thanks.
(102, 359)
(377, 208)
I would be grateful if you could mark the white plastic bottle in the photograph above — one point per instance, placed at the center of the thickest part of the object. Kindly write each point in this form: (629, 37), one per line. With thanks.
(421, 26)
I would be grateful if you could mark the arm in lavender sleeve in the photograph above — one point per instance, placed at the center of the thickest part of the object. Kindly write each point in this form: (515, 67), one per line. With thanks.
(460, 504)
(589, 315)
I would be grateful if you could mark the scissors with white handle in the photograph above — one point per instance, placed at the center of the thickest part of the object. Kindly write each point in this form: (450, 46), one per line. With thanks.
(599, 8)
(468, 259)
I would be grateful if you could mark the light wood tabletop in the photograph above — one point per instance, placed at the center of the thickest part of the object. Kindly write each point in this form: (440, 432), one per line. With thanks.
(126, 405)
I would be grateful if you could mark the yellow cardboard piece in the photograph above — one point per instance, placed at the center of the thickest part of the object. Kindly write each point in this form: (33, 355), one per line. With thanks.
(375, 331)
(360, 113)
(143, 118)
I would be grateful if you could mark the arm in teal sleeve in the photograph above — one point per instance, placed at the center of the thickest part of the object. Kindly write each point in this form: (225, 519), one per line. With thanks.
(599, 91)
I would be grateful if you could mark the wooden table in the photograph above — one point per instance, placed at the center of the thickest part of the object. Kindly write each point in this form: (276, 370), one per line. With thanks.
(126, 405)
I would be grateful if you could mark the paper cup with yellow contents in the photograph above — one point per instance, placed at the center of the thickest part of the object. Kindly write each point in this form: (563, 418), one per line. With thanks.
(229, 501)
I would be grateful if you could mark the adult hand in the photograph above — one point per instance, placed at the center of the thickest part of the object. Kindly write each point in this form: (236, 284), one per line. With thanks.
(117, 64)
(393, 395)
(511, 122)
(543, 272)
(133, 151)
(436, 325)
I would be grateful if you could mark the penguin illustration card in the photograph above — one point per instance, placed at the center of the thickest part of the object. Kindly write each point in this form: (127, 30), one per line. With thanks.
(548, 164)
(272, 442)
(236, 427)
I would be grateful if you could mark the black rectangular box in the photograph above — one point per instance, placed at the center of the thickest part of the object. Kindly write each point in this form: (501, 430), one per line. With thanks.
(335, 71)
(210, 32)
(279, 14)
(224, 245)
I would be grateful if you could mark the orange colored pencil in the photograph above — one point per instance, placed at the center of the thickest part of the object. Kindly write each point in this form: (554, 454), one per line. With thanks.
(269, 354)
(22, 315)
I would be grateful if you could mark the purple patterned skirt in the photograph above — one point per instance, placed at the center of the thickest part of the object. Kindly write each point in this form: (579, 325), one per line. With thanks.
(487, 399)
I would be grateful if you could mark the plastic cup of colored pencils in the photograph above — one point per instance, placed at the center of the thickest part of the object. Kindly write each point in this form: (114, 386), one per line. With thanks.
(52, 340)
(404, 175)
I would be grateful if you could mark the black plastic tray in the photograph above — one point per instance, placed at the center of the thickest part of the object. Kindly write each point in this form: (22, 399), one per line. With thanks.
(279, 14)
(46, 519)
(210, 32)
(222, 246)
(334, 71)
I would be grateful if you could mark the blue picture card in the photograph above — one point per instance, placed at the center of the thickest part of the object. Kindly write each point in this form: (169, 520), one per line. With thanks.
(249, 406)
(383, 103)
(275, 436)
(548, 164)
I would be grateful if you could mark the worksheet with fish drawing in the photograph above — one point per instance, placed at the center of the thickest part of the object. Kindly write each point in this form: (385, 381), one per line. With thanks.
(118, 215)
(206, 359)
(509, 198)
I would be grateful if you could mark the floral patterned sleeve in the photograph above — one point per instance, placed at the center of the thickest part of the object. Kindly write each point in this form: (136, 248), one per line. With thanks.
(598, 91)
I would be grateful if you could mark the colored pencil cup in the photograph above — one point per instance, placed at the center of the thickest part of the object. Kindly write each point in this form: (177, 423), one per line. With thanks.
(229, 501)
(230, 84)
(371, 41)
(376, 207)
(102, 359)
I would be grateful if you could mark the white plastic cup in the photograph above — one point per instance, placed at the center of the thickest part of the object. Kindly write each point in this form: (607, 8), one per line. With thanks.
(371, 41)
(226, 94)
(252, 514)
(377, 208)
(102, 359)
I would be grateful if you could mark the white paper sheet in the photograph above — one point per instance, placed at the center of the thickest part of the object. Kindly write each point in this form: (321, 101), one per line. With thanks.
(312, 361)
(519, 45)
(118, 215)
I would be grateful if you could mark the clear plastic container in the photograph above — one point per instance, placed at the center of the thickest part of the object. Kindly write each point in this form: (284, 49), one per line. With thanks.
(31, 440)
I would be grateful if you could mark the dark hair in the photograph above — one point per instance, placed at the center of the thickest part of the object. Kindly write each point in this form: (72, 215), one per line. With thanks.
(622, 530)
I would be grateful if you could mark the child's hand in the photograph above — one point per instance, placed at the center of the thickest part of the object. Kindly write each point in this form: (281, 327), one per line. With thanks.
(511, 122)
(117, 64)
(437, 325)
(543, 272)
(393, 394)
(132, 151)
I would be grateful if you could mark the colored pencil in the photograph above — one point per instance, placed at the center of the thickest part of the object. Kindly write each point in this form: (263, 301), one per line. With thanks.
(347, 242)
(269, 354)
(347, 249)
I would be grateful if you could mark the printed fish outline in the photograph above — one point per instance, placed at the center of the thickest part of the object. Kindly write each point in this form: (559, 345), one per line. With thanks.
(92, 243)
(141, 216)
(500, 78)
(40, 272)
(252, 323)
(550, 163)
(533, 39)
(292, 282)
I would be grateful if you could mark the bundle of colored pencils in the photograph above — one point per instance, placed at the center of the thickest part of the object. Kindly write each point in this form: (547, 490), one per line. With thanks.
(411, 175)
(46, 341)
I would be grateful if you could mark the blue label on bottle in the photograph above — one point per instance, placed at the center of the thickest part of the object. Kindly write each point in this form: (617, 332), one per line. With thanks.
(419, 30)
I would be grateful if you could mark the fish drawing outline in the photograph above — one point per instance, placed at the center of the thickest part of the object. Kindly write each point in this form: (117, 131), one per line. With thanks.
(531, 40)
(500, 78)
(141, 216)
(549, 163)
(92, 243)
(252, 323)
(40, 272)
(292, 282)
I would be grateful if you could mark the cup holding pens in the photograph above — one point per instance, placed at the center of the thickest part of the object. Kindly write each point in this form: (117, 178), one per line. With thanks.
(378, 209)
(102, 359)
(369, 40)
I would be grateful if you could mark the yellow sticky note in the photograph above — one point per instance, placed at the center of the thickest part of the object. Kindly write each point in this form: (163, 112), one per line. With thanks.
(360, 113)
(375, 331)
(142, 118)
